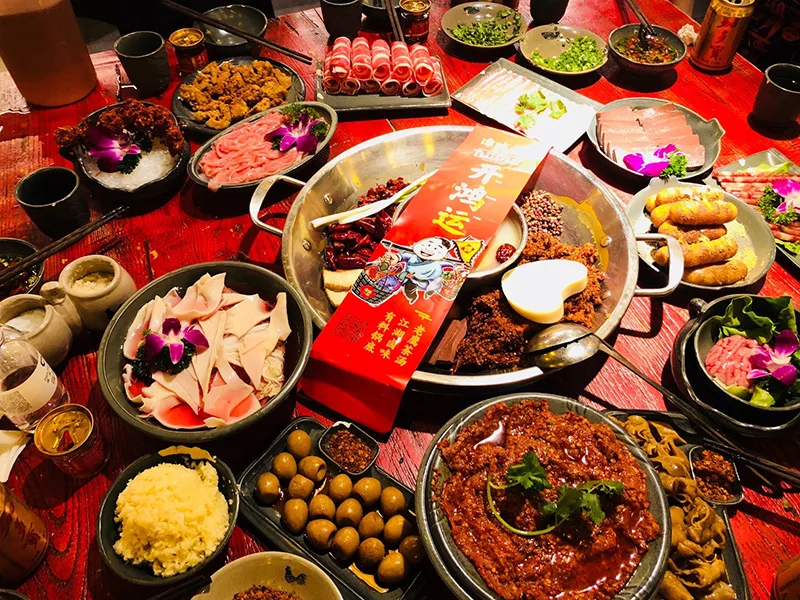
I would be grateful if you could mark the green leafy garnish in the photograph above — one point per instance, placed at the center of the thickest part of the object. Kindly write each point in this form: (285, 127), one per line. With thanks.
(557, 109)
(677, 165)
(536, 102)
(526, 121)
(791, 247)
(582, 54)
(572, 502)
(492, 32)
(769, 202)
(774, 315)
(128, 163)
(529, 474)
(780, 169)
(143, 369)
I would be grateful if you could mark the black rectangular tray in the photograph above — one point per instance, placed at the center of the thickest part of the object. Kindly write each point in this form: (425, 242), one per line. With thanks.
(771, 157)
(378, 102)
(731, 554)
(266, 520)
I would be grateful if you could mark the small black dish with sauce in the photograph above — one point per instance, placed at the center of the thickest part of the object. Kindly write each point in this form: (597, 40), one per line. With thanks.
(362, 435)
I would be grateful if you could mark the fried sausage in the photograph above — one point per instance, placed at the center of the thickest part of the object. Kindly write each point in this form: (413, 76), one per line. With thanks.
(660, 214)
(703, 253)
(679, 194)
(728, 273)
(716, 212)
(692, 235)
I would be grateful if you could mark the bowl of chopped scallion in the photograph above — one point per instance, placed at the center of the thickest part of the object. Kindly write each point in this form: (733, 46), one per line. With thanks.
(483, 25)
(564, 50)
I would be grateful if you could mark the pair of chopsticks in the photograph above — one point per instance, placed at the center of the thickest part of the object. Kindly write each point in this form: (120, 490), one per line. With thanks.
(394, 20)
(198, 16)
(184, 588)
(10, 273)
(642, 17)
(754, 460)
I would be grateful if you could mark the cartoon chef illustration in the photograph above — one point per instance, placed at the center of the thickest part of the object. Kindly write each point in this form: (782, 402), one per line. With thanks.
(424, 267)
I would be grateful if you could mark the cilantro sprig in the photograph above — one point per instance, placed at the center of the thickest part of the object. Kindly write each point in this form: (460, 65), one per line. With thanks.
(678, 164)
(571, 503)
(528, 106)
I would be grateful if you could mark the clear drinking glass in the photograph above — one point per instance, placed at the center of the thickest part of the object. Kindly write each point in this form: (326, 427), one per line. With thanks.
(29, 388)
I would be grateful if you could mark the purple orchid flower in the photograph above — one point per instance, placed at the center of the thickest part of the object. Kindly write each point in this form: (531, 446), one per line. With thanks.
(297, 134)
(171, 329)
(649, 164)
(789, 190)
(109, 149)
(776, 362)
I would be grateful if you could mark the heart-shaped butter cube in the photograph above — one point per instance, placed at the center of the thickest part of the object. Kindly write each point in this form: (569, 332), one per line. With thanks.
(537, 290)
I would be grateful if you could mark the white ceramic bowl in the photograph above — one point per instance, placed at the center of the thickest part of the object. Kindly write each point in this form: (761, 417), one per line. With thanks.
(278, 570)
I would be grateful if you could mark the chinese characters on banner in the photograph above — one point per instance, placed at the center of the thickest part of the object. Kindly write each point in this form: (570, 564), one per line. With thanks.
(362, 361)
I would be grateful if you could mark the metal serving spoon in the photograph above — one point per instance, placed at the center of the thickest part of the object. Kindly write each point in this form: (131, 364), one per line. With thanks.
(566, 344)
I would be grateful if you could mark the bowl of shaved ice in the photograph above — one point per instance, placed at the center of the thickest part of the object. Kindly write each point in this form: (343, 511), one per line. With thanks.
(129, 152)
(204, 351)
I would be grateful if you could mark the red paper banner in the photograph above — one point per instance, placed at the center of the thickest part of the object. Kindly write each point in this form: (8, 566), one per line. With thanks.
(363, 359)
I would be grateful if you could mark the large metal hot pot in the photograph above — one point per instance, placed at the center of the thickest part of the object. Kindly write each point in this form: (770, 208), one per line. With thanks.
(597, 215)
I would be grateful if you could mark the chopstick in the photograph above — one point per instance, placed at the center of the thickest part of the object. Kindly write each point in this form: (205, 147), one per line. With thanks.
(641, 16)
(394, 20)
(10, 273)
(179, 8)
(182, 589)
(755, 460)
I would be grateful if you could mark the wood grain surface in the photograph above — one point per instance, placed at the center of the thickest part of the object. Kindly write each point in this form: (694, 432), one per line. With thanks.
(195, 227)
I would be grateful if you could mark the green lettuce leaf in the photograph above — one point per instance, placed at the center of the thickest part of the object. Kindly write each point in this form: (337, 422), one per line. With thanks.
(780, 169)
(761, 397)
(741, 319)
(791, 247)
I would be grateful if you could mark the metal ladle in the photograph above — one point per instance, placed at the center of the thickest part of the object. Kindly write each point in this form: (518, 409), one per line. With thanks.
(565, 344)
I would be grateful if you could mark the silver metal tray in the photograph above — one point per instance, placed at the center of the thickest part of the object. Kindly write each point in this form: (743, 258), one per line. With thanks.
(570, 136)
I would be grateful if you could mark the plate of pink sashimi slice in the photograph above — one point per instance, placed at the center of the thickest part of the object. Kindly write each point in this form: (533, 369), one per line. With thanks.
(204, 355)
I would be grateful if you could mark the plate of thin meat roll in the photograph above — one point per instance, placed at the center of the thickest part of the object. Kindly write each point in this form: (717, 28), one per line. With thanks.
(726, 244)
(361, 75)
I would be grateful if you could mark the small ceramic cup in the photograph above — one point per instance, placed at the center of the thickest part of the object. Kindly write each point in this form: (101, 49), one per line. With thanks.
(97, 286)
(143, 55)
(778, 99)
(342, 17)
(53, 199)
(40, 324)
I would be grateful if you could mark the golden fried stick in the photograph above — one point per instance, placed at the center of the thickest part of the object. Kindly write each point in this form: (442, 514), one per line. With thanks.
(728, 273)
(704, 253)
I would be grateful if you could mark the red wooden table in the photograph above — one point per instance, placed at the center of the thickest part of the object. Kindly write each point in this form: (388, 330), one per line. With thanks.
(184, 232)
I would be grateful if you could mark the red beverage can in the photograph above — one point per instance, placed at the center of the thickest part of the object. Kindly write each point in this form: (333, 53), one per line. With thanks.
(23, 538)
(190, 49)
(67, 435)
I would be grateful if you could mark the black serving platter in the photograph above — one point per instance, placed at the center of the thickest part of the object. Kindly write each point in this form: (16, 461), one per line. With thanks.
(709, 398)
(731, 554)
(378, 102)
(184, 115)
(771, 157)
(267, 521)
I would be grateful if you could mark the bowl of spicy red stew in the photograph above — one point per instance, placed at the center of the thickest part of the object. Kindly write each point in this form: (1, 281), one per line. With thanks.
(539, 497)
(644, 55)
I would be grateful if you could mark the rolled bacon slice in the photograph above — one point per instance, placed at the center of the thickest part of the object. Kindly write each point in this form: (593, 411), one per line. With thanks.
(435, 85)
(330, 84)
(391, 87)
(340, 57)
(350, 85)
(371, 86)
(401, 62)
(381, 60)
(421, 63)
(411, 88)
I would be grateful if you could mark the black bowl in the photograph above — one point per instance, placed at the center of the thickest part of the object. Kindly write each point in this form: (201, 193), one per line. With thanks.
(242, 277)
(376, 10)
(155, 190)
(14, 248)
(703, 341)
(641, 69)
(108, 532)
(459, 573)
(221, 43)
(695, 387)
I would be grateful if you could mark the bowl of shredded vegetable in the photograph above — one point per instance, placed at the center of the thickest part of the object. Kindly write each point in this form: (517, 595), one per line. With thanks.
(644, 55)
(564, 50)
(483, 25)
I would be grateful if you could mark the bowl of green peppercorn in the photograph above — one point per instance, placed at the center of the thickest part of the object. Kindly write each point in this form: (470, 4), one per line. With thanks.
(564, 50)
(483, 25)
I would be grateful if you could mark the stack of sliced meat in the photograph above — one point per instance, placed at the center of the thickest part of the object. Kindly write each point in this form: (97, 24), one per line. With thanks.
(351, 67)
(748, 186)
(622, 131)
